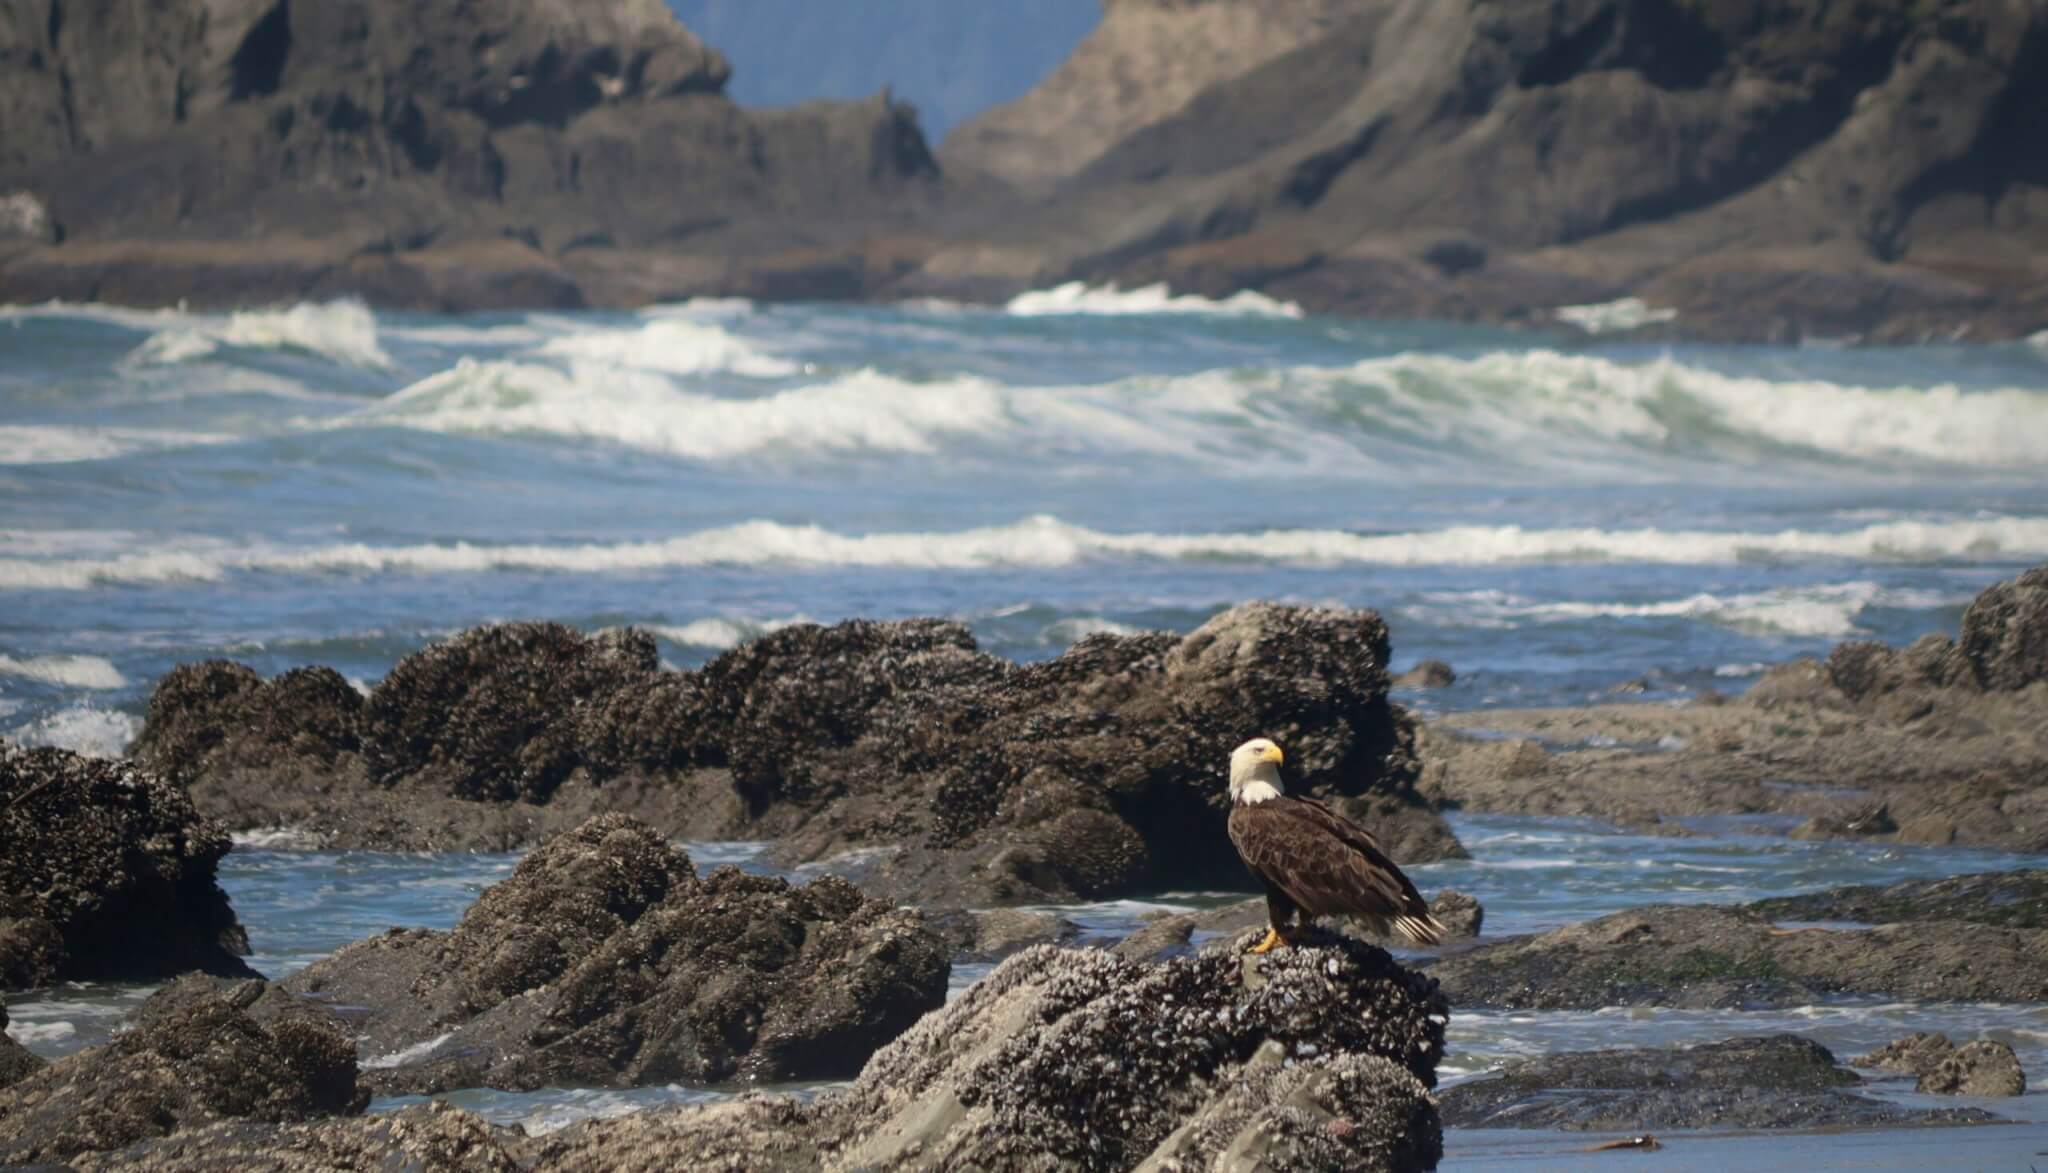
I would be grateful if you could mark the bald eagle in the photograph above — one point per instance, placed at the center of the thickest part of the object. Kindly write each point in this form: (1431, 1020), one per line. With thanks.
(1313, 861)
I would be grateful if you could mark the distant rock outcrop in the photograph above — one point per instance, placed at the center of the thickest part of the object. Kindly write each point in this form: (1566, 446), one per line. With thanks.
(606, 961)
(1985, 1067)
(898, 753)
(1779, 1081)
(106, 872)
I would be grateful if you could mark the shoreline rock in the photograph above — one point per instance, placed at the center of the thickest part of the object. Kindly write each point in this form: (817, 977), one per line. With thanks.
(1945, 741)
(1771, 1082)
(195, 1057)
(605, 960)
(1709, 956)
(107, 872)
(897, 754)
(1985, 1067)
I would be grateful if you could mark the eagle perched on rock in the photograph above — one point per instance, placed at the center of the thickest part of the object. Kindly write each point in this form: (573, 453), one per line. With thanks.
(1313, 861)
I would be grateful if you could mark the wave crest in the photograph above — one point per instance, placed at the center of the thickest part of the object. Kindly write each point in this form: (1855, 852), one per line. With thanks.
(340, 331)
(1078, 297)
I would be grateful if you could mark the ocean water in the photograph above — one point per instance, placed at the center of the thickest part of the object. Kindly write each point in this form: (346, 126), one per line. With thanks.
(325, 484)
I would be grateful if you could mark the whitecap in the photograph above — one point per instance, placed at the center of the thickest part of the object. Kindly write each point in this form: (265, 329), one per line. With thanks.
(93, 732)
(1614, 317)
(341, 331)
(1045, 542)
(70, 671)
(278, 839)
(34, 1034)
(1062, 633)
(1078, 297)
(408, 1055)
(53, 444)
(720, 634)
(675, 346)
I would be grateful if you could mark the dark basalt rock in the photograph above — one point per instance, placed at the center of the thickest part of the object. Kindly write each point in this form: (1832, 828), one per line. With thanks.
(605, 960)
(16, 1063)
(2005, 632)
(194, 1058)
(2017, 900)
(1312, 1058)
(1777, 1081)
(951, 775)
(106, 871)
(1982, 1068)
(1728, 957)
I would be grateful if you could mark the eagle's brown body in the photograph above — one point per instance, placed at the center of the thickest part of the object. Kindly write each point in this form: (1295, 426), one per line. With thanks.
(1315, 862)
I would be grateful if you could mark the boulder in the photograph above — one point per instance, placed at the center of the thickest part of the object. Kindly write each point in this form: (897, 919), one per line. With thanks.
(1314, 1058)
(1982, 1068)
(16, 1062)
(1729, 957)
(2005, 632)
(1427, 674)
(193, 1061)
(898, 754)
(2017, 899)
(1776, 1081)
(604, 960)
(106, 872)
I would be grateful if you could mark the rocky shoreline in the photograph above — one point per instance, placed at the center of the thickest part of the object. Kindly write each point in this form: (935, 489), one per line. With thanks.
(606, 959)
(1756, 173)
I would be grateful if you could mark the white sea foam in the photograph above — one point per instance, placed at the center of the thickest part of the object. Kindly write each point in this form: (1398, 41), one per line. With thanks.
(1823, 610)
(1078, 297)
(1401, 416)
(278, 839)
(861, 412)
(1062, 633)
(671, 345)
(96, 733)
(35, 1034)
(407, 1055)
(1049, 542)
(1614, 317)
(341, 331)
(53, 444)
(721, 634)
(67, 671)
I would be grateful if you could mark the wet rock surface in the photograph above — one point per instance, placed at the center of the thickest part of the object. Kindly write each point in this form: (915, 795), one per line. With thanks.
(1985, 1067)
(896, 753)
(16, 1063)
(2016, 900)
(196, 1056)
(1701, 957)
(1312, 1058)
(1777, 1081)
(604, 960)
(1939, 742)
(106, 871)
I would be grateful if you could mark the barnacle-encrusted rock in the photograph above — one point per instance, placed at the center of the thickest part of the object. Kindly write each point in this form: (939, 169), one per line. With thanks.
(106, 871)
(605, 960)
(197, 1056)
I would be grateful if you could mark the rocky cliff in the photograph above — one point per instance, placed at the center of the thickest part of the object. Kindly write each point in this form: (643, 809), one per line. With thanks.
(1763, 168)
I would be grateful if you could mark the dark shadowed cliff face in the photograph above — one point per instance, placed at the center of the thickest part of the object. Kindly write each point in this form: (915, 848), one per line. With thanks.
(1761, 166)
(382, 130)
(1765, 168)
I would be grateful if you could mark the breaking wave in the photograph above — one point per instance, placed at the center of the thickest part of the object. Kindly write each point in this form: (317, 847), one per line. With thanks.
(1078, 297)
(1400, 416)
(340, 331)
(719, 634)
(96, 733)
(670, 345)
(56, 444)
(1045, 542)
(1824, 610)
(67, 671)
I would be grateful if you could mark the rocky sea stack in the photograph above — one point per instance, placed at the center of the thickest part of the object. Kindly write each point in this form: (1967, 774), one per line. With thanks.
(898, 752)
(107, 873)
(1740, 169)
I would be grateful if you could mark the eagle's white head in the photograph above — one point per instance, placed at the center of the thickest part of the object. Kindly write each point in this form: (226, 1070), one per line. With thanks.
(1255, 771)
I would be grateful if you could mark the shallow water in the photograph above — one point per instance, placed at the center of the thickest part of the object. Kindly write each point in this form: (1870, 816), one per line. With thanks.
(328, 485)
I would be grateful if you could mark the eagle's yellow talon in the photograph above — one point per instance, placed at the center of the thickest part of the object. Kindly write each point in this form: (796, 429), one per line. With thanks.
(1273, 941)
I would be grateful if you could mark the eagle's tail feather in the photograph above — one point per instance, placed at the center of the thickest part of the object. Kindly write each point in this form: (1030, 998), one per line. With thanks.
(1421, 930)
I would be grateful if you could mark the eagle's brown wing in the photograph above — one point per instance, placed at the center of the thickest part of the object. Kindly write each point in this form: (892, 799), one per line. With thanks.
(1329, 866)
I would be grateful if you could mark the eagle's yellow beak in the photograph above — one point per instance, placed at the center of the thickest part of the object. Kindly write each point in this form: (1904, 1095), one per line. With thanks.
(1273, 755)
